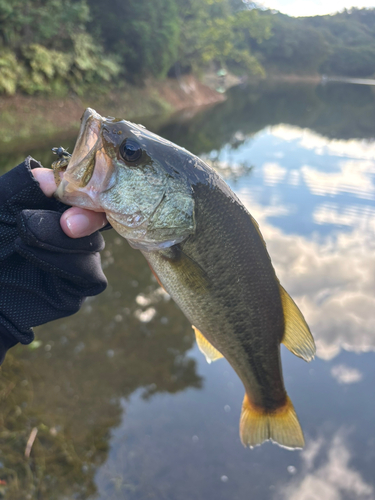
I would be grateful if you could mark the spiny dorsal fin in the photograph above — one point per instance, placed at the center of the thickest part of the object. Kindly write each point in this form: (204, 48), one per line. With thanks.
(281, 426)
(211, 353)
(297, 336)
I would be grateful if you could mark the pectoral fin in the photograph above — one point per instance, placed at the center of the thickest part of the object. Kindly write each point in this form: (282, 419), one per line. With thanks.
(297, 336)
(190, 272)
(208, 349)
(156, 276)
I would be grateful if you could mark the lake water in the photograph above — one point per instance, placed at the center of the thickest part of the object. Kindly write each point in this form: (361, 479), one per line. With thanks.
(126, 406)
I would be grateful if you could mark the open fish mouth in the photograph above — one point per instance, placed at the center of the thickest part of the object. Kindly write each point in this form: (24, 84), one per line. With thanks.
(87, 158)
(82, 163)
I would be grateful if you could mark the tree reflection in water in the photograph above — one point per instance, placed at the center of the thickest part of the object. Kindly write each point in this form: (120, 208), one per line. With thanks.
(70, 387)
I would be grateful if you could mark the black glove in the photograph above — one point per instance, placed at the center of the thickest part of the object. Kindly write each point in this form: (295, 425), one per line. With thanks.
(44, 274)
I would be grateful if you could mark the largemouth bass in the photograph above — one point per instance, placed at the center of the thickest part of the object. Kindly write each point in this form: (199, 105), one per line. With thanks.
(206, 251)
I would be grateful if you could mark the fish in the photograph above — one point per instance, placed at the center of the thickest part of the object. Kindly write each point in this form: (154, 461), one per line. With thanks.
(205, 250)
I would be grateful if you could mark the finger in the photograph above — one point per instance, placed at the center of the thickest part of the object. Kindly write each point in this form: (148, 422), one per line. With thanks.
(77, 222)
(46, 180)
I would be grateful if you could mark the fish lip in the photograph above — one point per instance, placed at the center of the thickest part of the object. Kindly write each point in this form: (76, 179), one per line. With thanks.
(82, 163)
(89, 141)
(89, 114)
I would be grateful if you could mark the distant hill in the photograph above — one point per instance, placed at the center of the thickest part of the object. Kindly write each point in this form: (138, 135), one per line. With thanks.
(341, 44)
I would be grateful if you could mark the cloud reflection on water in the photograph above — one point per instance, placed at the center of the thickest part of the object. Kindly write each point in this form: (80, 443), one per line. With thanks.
(273, 173)
(357, 216)
(335, 479)
(308, 139)
(353, 177)
(332, 279)
(331, 276)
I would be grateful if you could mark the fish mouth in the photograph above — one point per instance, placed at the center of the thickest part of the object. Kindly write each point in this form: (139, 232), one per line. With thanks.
(82, 162)
(76, 187)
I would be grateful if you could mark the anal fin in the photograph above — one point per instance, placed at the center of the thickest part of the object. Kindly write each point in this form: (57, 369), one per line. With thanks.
(281, 426)
(297, 336)
(211, 353)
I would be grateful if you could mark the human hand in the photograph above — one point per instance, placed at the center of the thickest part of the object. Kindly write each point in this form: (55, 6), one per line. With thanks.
(75, 222)
(47, 266)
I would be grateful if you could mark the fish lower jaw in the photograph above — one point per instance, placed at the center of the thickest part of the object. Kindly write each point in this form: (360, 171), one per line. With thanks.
(137, 236)
(77, 197)
(79, 201)
(152, 246)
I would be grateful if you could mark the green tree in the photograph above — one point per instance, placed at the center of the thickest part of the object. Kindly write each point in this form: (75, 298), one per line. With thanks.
(351, 61)
(46, 48)
(143, 34)
(342, 44)
(293, 46)
(219, 32)
(47, 22)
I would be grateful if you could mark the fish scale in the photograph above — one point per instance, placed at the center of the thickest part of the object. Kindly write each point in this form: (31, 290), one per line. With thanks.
(241, 314)
(207, 252)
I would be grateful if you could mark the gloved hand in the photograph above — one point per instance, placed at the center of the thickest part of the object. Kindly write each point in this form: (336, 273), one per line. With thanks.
(44, 274)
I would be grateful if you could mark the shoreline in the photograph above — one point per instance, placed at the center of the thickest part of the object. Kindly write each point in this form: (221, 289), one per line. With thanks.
(27, 121)
(294, 78)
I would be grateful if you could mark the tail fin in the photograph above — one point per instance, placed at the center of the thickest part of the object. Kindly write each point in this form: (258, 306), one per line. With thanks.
(281, 425)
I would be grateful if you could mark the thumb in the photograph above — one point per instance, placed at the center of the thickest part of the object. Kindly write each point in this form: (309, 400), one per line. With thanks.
(46, 180)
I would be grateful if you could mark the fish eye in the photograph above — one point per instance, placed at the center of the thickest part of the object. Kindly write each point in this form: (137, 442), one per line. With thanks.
(130, 150)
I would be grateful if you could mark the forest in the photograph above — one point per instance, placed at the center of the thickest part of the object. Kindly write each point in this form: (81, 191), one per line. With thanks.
(61, 46)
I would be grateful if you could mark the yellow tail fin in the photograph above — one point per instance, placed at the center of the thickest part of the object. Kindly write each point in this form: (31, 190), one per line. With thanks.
(281, 426)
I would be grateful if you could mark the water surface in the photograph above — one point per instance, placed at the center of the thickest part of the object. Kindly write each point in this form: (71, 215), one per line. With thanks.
(126, 406)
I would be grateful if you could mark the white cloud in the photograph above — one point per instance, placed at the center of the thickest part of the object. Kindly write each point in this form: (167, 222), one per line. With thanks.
(314, 8)
(334, 480)
(346, 375)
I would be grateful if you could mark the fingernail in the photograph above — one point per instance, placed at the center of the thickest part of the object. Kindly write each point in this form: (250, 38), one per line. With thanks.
(78, 225)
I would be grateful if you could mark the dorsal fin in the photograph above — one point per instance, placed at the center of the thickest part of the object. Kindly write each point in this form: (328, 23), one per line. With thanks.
(211, 353)
(297, 336)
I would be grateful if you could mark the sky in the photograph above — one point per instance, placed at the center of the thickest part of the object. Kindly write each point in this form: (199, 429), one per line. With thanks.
(314, 7)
